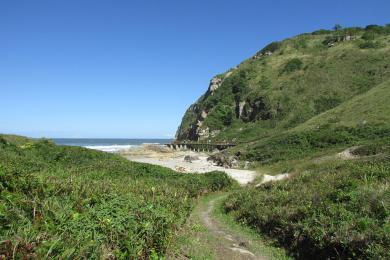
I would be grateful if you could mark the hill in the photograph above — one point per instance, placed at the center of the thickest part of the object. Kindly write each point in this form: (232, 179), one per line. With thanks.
(290, 82)
(315, 106)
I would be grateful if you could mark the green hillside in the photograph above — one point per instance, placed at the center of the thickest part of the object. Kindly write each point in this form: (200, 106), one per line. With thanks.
(371, 107)
(316, 106)
(288, 83)
(59, 202)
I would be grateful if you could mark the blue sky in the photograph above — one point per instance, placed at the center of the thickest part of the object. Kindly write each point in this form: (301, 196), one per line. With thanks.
(95, 68)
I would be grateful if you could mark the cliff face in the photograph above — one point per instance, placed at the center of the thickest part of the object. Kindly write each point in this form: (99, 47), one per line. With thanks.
(288, 82)
(192, 127)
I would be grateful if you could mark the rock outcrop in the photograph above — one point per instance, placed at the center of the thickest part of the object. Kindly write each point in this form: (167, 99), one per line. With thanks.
(224, 159)
(215, 83)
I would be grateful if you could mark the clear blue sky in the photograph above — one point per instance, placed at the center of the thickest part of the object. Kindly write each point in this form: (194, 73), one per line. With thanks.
(98, 68)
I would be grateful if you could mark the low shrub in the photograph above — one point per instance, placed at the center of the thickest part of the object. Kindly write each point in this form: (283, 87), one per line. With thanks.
(292, 65)
(324, 103)
(272, 47)
(321, 32)
(369, 36)
(369, 45)
(71, 202)
(332, 211)
(300, 144)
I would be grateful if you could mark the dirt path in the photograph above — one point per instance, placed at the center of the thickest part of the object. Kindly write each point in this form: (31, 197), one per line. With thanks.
(230, 245)
(211, 234)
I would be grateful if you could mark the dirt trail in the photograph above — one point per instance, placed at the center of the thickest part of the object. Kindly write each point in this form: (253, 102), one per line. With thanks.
(230, 245)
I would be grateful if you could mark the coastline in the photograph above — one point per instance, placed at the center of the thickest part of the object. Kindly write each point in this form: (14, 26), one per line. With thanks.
(173, 159)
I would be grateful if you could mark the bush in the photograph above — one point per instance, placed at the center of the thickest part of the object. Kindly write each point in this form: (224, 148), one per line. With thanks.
(292, 65)
(321, 32)
(369, 45)
(333, 211)
(300, 43)
(369, 36)
(300, 144)
(220, 116)
(264, 82)
(272, 47)
(70, 202)
(324, 103)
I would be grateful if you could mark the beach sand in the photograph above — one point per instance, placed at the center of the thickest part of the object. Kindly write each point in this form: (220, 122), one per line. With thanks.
(174, 159)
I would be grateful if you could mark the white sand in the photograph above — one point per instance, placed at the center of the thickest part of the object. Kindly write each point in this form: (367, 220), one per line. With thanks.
(175, 160)
(163, 156)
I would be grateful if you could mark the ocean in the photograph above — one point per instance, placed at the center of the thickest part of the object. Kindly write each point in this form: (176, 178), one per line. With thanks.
(108, 144)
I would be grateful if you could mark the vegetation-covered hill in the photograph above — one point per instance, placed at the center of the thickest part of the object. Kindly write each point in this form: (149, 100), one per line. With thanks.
(69, 202)
(315, 106)
(289, 82)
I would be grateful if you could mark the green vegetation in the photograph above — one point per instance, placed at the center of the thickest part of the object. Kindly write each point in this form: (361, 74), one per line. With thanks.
(317, 107)
(297, 145)
(337, 209)
(70, 202)
(292, 65)
(298, 79)
(272, 47)
(197, 241)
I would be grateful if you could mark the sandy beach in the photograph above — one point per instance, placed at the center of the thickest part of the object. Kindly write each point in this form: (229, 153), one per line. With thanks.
(174, 159)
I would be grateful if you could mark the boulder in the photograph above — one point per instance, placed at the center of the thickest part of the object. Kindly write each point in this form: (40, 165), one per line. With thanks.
(223, 159)
(190, 158)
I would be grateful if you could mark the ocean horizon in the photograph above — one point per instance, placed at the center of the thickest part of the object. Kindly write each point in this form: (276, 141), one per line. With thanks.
(109, 144)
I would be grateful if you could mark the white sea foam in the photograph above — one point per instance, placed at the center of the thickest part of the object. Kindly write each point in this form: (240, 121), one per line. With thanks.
(111, 148)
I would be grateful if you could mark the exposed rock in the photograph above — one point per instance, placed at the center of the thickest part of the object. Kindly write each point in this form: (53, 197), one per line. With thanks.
(214, 133)
(215, 83)
(269, 178)
(190, 158)
(180, 169)
(348, 154)
(349, 38)
(241, 106)
(247, 165)
(223, 159)
(203, 133)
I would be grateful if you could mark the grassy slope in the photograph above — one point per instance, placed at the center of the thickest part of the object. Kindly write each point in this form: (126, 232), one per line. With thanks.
(337, 98)
(331, 207)
(70, 202)
(362, 119)
(371, 107)
(327, 77)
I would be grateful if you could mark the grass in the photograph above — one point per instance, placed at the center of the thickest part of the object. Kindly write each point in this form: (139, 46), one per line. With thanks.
(330, 208)
(301, 80)
(258, 243)
(316, 95)
(71, 202)
(196, 241)
(295, 145)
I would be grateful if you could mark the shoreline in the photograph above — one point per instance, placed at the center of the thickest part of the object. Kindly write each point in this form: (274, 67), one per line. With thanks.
(173, 159)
